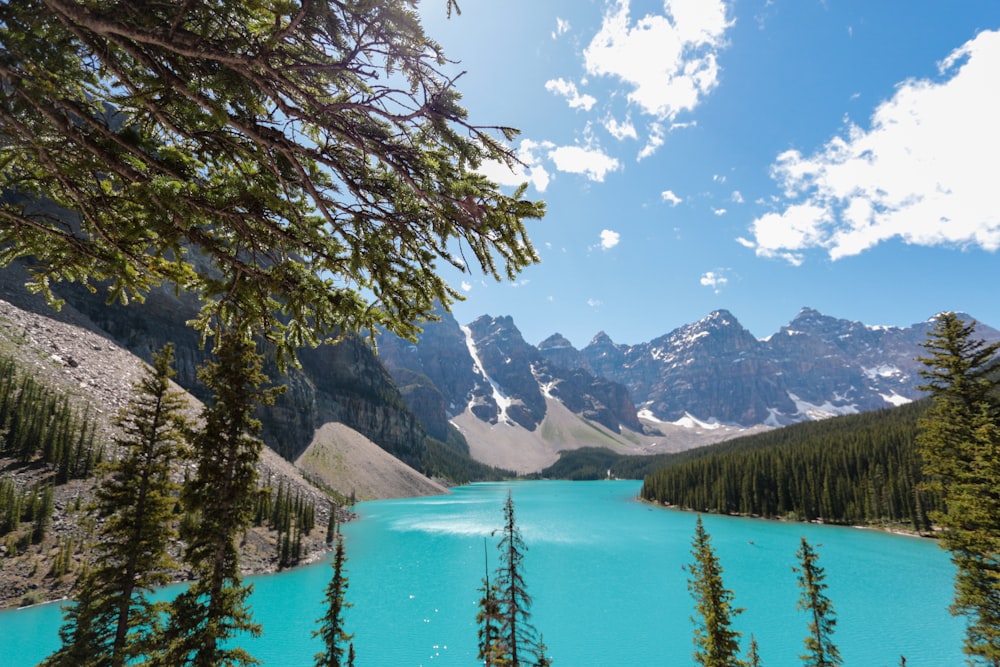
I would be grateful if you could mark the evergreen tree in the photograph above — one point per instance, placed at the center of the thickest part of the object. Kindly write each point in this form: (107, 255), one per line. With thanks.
(332, 623)
(753, 654)
(960, 444)
(516, 635)
(113, 620)
(820, 649)
(488, 619)
(313, 154)
(716, 643)
(221, 494)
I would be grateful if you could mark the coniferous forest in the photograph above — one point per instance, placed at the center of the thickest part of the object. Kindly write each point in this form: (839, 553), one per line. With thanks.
(857, 469)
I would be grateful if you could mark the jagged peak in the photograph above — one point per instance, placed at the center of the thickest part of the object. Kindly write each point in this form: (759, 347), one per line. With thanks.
(555, 341)
(601, 338)
(717, 319)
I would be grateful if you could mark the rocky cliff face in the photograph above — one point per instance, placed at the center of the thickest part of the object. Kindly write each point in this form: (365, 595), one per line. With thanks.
(337, 383)
(488, 369)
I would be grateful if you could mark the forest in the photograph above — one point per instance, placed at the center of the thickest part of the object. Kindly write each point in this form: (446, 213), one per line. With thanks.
(856, 469)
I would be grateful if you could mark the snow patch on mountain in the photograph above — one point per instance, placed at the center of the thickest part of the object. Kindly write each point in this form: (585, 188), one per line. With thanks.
(895, 399)
(690, 421)
(882, 371)
(502, 400)
(824, 411)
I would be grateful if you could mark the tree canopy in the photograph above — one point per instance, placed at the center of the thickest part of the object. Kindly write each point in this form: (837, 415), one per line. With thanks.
(303, 166)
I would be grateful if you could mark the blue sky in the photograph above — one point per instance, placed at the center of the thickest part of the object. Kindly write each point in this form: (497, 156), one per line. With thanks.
(753, 155)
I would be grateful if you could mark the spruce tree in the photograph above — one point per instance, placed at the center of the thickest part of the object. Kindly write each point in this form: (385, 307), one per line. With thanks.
(113, 620)
(221, 495)
(488, 620)
(959, 441)
(820, 649)
(516, 635)
(332, 623)
(753, 654)
(716, 643)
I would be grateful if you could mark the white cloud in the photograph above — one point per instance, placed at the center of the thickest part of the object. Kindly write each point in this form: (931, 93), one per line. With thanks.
(656, 139)
(620, 131)
(669, 197)
(594, 303)
(530, 171)
(591, 162)
(609, 239)
(569, 90)
(922, 172)
(668, 61)
(466, 286)
(715, 280)
(562, 27)
(737, 197)
(718, 211)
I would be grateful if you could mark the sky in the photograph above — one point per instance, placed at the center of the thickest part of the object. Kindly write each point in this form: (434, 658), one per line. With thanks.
(758, 156)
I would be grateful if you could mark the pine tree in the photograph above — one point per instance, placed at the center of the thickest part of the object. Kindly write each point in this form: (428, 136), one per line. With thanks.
(221, 494)
(516, 635)
(488, 620)
(332, 623)
(959, 441)
(716, 643)
(753, 654)
(820, 649)
(112, 620)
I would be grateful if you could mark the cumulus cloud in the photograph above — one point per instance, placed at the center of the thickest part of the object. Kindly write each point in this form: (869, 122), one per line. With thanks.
(921, 172)
(537, 158)
(668, 61)
(620, 130)
(594, 303)
(568, 89)
(609, 239)
(593, 163)
(530, 170)
(669, 197)
(714, 280)
(466, 286)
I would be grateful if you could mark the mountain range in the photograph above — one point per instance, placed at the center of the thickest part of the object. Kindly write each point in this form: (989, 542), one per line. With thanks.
(704, 381)
(480, 389)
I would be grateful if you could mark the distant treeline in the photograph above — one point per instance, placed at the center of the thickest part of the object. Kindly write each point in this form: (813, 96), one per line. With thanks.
(856, 469)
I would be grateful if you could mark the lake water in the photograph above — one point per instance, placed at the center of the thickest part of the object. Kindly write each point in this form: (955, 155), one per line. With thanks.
(608, 581)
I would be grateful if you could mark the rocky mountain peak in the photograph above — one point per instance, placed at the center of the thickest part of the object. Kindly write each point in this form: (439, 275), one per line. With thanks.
(555, 342)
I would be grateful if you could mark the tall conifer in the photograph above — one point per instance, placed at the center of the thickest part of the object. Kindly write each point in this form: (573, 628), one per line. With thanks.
(716, 643)
(113, 622)
(820, 649)
(214, 608)
(959, 441)
(332, 623)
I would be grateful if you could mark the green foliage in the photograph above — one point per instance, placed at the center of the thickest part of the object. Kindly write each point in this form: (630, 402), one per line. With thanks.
(33, 505)
(37, 424)
(960, 445)
(855, 469)
(222, 493)
(820, 649)
(506, 636)
(331, 629)
(291, 516)
(113, 616)
(716, 643)
(441, 460)
(313, 156)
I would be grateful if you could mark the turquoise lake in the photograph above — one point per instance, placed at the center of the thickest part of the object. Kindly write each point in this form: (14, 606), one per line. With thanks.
(608, 579)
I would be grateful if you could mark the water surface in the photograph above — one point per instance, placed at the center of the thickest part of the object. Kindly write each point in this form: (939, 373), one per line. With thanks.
(608, 578)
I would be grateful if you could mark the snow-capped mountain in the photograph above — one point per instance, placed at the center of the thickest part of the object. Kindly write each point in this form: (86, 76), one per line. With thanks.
(714, 370)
